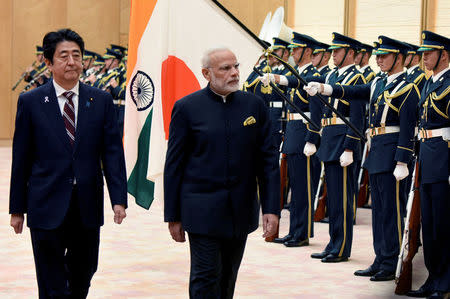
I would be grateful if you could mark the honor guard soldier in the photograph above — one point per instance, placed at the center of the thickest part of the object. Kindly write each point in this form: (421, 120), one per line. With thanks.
(320, 58)
(260, 65)
(381, 74)
(392, 121)
(96, 71)
(434, 162)
(414, 73)
(37, 76)
(300, 142)
(273, 101)
(339, 148)
(362, 60)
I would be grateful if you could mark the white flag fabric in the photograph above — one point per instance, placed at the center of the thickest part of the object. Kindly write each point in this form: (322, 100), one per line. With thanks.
(166, 42)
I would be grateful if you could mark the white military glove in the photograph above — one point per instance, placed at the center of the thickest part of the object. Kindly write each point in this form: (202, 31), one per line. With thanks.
(369, 139)
(346, 158)
(315, 87)
(283, 80)
(266, 79)
(401, 171)
(309, 149)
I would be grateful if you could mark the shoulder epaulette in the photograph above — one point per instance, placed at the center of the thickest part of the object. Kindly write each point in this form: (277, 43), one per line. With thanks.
(370, 76)
(354, 78)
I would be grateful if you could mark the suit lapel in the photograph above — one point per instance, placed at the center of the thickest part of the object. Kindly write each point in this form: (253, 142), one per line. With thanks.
(53, 112)
(83, 106)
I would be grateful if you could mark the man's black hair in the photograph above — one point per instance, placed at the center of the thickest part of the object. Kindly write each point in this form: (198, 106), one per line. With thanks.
(53, 38)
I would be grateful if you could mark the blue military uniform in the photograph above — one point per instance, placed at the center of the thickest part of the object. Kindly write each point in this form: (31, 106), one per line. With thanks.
(271, 98)
(303, 171)
(434, 162)
(392, 120)
(336, 137)
(415, 74)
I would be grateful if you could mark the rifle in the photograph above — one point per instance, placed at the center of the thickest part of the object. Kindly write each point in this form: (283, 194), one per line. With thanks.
(319, 96)
(21, 78)
(320, 201)
(283, 191)
(410, 243)
(286, 100)
(363, 180)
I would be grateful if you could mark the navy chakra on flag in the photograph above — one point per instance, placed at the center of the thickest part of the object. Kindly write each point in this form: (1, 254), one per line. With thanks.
(142, 90)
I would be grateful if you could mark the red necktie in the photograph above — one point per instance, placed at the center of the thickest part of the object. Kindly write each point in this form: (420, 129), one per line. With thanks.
(69, 116)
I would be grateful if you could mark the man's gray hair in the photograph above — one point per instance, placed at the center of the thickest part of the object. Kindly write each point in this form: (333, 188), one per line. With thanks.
(206, 59)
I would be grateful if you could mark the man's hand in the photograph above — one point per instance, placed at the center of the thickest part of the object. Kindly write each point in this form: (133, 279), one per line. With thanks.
(119, 213)
(270, 225)
(17, 222)
(346, 158)
(176, 231)
(401, 171)
(309, 149)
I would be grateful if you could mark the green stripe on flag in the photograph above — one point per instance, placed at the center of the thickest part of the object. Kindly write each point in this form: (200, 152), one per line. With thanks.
(138, 185)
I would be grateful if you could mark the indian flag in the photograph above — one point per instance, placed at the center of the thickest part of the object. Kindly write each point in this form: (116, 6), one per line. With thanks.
(166, 42)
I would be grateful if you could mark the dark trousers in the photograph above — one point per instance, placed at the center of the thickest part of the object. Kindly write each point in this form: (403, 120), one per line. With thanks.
(214, 266)
(66, 258)
(435, 208)
(340, 193)
(301, 176)
(387, 219)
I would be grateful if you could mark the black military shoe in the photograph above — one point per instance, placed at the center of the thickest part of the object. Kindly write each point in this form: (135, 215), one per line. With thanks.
(319, 255)
(383, 275)
(422, 292)
(296, 243)
(282, 240)
(367, 272)
(331, 258)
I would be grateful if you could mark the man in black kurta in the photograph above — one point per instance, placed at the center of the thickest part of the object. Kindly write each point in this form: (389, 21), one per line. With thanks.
(220, 150)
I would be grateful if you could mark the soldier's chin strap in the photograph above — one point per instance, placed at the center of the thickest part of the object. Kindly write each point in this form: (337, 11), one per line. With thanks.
(410, 62)
(362, 56)
(301, 56)
(393, 64)
(343, 59)
(438, 60)
(321, 58)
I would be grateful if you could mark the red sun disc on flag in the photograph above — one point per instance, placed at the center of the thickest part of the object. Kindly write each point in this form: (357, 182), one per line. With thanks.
(177, 81)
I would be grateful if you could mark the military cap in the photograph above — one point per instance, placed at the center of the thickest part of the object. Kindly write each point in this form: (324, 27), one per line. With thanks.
(88, 54)
(342, 41)
(412, 48)
(390, 45)
(117, 48)
(279, 43)
(99, 61)
(433, 41)
(110, 53)
(302, 40)
(39, 50)
(365, 48)
(321, 47)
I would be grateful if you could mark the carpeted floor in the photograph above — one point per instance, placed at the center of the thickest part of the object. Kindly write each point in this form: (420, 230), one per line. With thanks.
(138, 259)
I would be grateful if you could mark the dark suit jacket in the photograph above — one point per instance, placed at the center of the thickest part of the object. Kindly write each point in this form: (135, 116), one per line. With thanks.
(45, 165)
(215, 158)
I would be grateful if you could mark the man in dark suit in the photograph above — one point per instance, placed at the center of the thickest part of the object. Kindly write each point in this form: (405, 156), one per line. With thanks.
(65, 132)
(220, 150)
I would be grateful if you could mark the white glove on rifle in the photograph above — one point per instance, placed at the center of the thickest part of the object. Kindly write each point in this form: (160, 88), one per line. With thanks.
(401, 171)
(346, 158)
(309, 149)
(315, 87)
(267, 78)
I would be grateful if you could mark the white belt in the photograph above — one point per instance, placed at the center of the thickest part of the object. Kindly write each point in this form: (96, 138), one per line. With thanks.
(298, 116)
(333, 121)
(119, 102)
(442, 132)
(384, 130)
(276, 104)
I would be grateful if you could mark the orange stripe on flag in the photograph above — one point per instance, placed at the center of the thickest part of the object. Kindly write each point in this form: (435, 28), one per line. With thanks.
(140, 13)
(177, 81)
